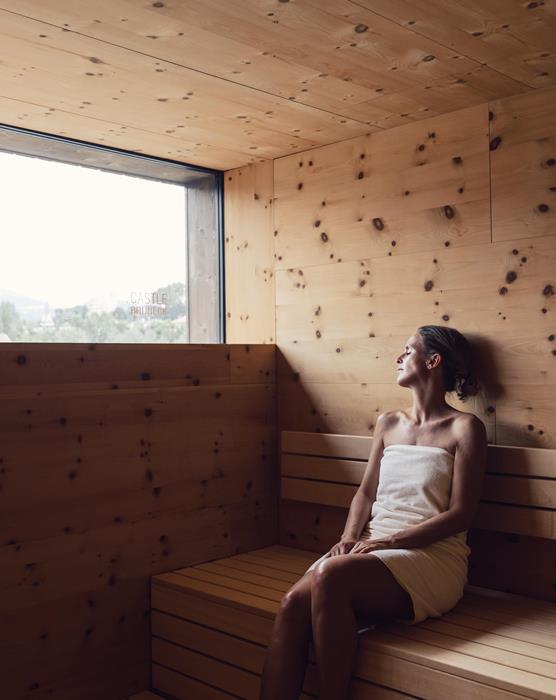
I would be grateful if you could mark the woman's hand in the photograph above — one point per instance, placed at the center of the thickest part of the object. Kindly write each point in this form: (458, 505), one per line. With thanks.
(354, 546)
(364, 546)
(341, 547)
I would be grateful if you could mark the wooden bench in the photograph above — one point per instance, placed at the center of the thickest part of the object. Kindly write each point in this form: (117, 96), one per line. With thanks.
(211, 623)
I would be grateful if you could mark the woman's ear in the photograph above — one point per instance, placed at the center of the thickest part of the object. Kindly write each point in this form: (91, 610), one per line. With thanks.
(434, 360)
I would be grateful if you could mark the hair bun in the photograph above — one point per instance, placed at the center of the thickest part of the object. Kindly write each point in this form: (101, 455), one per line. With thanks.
(465, 384)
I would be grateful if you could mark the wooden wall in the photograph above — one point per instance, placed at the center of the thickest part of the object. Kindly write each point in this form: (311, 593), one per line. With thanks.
(449, 221)
(249, 254)
(117, 463)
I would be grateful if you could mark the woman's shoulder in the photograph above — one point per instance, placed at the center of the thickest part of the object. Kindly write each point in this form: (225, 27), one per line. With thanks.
(471, 427)
(389, 419)
(464, 420)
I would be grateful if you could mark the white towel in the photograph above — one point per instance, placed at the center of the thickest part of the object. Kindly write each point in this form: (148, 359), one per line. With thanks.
(414, 485)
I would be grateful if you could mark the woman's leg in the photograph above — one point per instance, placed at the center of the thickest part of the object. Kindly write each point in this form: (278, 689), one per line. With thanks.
(286, 658)
(344, 586)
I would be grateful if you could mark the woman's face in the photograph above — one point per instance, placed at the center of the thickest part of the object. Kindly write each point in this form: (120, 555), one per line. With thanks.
(411, 361)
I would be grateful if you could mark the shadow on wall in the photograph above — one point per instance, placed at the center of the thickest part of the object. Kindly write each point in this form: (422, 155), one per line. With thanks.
(346, 402)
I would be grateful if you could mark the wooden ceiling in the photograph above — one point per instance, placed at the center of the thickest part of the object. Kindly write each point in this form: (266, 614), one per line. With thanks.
(223, 83)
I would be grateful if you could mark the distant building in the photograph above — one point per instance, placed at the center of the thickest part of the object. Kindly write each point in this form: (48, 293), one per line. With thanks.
(46, 318)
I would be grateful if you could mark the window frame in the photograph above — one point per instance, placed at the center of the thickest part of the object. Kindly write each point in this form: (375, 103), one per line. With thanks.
(52, 147)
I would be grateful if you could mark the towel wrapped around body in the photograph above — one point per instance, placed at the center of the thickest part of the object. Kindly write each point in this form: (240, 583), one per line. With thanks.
(415, 484)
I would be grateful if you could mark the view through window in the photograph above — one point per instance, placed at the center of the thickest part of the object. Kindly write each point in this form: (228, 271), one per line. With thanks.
(98, 255)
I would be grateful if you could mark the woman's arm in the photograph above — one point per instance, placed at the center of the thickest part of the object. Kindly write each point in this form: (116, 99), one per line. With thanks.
(362, 502)
(469, 468)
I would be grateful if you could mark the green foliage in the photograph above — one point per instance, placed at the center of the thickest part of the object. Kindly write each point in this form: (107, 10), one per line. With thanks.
(10, 322)
(80, 325)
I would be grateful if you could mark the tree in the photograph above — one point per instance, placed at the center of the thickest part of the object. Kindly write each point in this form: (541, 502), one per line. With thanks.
(10, 322)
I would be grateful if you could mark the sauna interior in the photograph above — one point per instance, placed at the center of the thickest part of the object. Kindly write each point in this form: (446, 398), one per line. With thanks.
(377, 165)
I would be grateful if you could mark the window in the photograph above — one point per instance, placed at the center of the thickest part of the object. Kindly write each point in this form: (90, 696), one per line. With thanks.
(102, 245)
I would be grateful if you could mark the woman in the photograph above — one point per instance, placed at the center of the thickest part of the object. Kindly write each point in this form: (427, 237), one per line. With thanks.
(422, 487)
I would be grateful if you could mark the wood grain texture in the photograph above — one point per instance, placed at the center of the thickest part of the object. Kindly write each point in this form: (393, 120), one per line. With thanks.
(523, 162)
(385, 194)
(249, 254)
(116, 463)
(512, 37)
(226, 85)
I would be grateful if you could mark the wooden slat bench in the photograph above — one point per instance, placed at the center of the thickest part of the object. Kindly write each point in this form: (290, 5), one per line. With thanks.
(211, 623)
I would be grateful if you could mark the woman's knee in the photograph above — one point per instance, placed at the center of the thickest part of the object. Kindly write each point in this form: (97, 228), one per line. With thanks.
(330, 573)
(296, 602)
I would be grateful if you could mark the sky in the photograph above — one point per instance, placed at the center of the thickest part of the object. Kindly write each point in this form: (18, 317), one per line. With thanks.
(70, 234)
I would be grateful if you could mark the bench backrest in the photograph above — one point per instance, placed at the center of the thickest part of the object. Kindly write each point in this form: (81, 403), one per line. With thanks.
(513, 540)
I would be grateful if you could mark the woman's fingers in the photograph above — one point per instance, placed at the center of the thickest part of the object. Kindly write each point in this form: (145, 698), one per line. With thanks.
(361, 548)
(344, 548)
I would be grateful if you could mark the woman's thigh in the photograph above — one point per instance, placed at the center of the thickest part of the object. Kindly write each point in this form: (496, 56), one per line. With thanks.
(367, 583)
